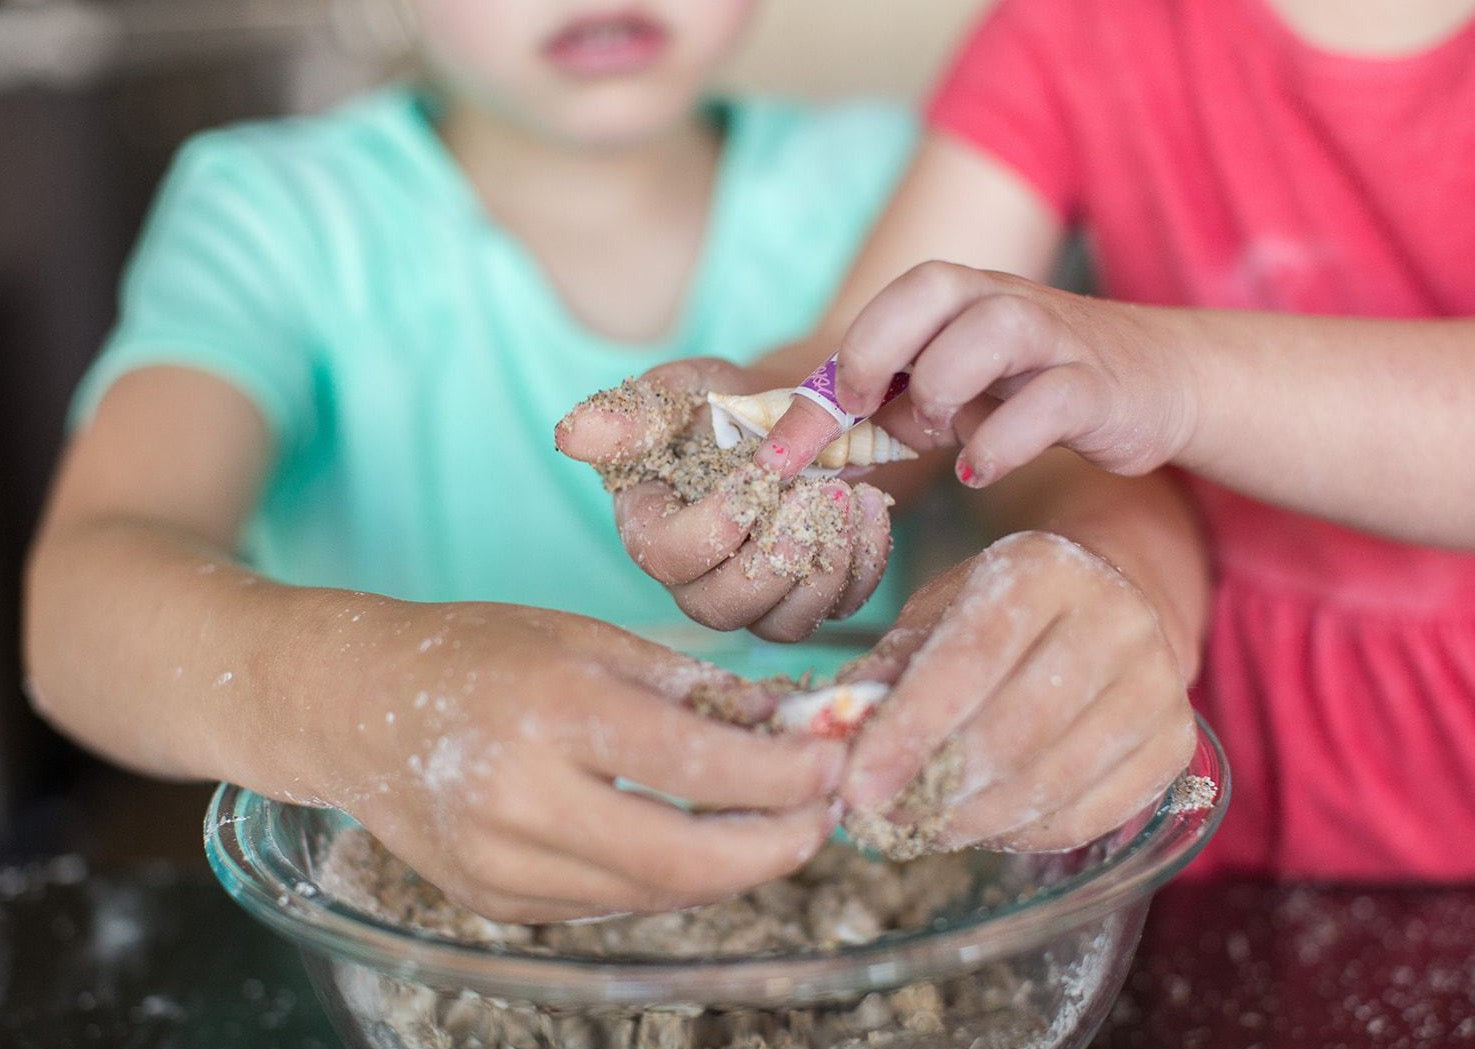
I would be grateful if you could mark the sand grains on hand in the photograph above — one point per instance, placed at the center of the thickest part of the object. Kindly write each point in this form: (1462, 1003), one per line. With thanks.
(793, 527)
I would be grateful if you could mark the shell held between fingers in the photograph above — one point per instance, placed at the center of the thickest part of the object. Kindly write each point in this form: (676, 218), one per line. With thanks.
(738, 416)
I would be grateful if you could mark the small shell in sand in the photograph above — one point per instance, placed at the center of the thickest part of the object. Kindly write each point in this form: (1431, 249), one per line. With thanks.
(735, 416)
(835, 712)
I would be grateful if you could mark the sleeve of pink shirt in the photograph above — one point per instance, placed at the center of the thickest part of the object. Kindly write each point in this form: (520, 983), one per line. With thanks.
(1003, 94)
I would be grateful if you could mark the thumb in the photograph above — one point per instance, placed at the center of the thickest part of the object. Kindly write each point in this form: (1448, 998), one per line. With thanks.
(640, 414)
(623, 423)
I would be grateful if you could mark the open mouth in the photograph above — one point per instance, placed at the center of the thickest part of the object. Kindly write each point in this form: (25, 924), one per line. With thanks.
(607, 44)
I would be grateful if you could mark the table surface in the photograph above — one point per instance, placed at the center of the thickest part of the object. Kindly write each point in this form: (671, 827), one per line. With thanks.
(156, 957)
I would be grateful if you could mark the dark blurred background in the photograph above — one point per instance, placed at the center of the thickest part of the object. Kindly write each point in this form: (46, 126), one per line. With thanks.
(95, 96)
(94, 99)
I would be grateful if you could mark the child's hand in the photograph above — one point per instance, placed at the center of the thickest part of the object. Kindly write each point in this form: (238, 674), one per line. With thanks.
(481, 743)
(704, 552)
(1050, 671)
(1007, 368)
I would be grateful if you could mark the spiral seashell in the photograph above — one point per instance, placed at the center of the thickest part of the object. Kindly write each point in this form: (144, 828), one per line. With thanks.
(735, 416)
(836, 712)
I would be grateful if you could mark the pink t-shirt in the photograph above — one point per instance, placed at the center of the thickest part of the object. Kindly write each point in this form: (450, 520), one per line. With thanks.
(1214, 158)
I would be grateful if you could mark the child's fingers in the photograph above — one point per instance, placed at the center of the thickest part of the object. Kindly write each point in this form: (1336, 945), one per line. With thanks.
(889, 658)
(607, 429)
(958, 672)
(1106, 804)
(591, 433)
(673, 542)
(763, 575)
(682, 858)
(871, 549)
(1110, 733)
(809, 601)
(681, 753)
(739, 591)
(794, 442)
(503, 878)
(1057, 406)
(995, 337)
(514, 880)
(1029, 713)
(985, 624)
(895, 326)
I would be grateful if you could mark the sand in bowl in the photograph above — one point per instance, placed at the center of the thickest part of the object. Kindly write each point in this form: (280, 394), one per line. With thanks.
(840, 898)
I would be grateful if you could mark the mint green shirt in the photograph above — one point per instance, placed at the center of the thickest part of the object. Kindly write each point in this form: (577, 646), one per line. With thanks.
(411, 358)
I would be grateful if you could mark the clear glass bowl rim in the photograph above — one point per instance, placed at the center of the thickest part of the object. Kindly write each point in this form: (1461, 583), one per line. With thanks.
(280, 894)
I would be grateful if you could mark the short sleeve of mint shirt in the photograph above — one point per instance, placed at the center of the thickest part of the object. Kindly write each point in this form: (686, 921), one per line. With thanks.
(220, 280)
(412, 358)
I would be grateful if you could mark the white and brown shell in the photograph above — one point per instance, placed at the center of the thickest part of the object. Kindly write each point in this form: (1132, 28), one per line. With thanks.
(834, 712)
(735, 416)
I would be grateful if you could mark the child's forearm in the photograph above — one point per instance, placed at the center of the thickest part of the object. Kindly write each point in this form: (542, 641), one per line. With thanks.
(165, 655)
(1363, 421)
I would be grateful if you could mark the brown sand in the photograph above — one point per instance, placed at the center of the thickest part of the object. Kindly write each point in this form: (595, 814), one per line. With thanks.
(839, 899)
(1192, 793)
(737, 704)
(923, 804)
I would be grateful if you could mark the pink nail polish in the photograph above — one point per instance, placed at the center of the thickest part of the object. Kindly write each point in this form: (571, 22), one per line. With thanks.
(965, 471)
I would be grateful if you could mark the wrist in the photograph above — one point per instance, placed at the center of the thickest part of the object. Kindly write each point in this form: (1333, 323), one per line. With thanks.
(311, 669)
(1188, 343)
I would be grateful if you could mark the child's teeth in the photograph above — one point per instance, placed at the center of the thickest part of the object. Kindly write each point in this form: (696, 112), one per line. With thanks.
(608, 34)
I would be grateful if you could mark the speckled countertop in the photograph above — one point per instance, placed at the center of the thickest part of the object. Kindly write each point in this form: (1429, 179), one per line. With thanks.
(153, 957)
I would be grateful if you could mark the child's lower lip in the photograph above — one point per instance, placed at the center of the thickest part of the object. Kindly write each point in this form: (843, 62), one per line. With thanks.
(607, 46)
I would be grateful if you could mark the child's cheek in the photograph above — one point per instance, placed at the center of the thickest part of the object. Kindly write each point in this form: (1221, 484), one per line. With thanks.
(475, 36)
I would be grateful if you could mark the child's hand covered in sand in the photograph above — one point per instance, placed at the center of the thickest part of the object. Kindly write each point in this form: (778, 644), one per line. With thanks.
(481, 744)
(1045, 675)
(779, 561)
(1007, 368)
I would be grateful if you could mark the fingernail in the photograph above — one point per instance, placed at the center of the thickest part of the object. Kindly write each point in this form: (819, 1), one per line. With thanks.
(772, 456)
(839, 494)
(874, 503)
(970, 475)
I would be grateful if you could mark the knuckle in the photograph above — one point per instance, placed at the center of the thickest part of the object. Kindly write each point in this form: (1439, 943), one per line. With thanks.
(506, 811)
(1055, 397)
(1011, 316)
(940, 282)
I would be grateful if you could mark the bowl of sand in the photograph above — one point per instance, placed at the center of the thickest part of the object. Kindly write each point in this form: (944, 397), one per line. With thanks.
(968, 949)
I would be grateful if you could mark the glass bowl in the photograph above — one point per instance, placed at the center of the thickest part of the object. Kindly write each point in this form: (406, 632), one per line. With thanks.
(1031, 958)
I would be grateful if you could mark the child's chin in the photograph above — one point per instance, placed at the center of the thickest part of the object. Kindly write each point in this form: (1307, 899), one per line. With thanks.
(622, 126)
